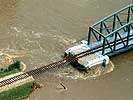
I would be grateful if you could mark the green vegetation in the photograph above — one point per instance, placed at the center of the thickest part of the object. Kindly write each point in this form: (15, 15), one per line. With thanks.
(13, 68)
(18, 93)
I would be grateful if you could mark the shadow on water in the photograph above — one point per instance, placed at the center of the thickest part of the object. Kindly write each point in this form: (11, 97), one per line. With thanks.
(78, 67)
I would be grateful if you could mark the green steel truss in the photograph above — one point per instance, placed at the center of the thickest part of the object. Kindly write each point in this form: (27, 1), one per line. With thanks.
(112, 26)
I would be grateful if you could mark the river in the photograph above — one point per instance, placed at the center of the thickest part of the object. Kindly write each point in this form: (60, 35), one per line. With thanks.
(38, 31)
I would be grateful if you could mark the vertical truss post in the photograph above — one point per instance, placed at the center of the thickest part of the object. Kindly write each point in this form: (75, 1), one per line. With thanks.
(128, 17)
(131, 9)
(120, 22)
(103, 50)
(106, 28)
(114, 22)
(128, 34)
(115, 41)
(101, 29)
(89, 35)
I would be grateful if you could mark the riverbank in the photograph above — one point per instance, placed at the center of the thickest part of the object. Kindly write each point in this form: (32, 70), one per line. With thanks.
(17, 93)
(11, 69)
(17, 90)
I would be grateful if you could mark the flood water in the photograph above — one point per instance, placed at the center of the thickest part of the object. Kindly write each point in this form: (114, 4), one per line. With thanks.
(38, 31)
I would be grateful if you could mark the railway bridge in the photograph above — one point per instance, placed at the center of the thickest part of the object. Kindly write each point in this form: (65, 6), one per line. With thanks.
(111, 35)
(113, 28)
(108, 37)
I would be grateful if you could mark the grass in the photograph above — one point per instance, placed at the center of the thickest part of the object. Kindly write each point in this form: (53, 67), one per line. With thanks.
(11, 69)
(18, 93)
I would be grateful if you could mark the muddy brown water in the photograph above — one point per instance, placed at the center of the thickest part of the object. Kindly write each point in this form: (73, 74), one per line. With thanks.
(38, 31)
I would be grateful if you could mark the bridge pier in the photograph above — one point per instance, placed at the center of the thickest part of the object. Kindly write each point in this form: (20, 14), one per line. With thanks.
(108, 37)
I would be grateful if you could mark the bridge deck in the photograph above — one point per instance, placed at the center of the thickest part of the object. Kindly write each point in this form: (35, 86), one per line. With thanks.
(97, 58)
(100, 37)
(111, 39)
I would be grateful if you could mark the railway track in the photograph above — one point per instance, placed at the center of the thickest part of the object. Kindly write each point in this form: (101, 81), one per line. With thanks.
(57, 64)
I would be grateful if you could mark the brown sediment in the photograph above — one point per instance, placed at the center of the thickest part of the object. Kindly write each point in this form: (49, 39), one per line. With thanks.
(93, 72)
(70, 20)
(7, 59)
(36, 86)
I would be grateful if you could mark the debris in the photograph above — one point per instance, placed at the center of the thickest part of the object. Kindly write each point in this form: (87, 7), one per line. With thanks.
(62, 86)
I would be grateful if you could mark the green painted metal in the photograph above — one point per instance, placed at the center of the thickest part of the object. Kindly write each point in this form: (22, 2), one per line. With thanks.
(115, 13)
(113, 25)
(120, 51)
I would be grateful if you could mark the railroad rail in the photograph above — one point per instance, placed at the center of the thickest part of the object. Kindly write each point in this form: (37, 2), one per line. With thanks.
(96, 32)
(57, 64)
